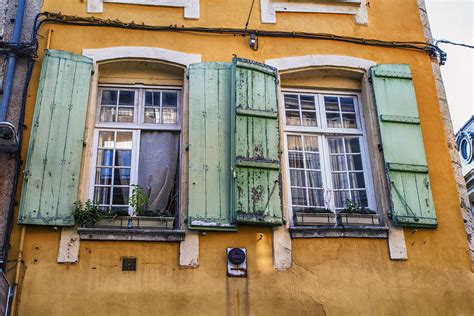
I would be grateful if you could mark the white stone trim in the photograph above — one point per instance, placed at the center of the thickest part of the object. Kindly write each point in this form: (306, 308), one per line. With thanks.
(191, 7)
(307, 61)
(358, 8)
(69, 245)
(189, 250)
(281, 248)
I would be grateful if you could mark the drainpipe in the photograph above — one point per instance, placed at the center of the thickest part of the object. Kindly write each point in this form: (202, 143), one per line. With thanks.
(11, 65)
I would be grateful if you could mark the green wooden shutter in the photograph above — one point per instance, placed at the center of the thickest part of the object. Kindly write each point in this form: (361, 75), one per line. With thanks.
(209, 147)
(403, 147)
(54, 155)
(255, 144)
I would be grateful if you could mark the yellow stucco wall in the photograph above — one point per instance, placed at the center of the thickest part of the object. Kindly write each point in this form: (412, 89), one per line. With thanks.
(333, 276)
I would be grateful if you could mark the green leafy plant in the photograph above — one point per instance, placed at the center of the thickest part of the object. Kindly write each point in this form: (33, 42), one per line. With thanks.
(87, 214)
(354, 208)
(319, 210)
(138, 200)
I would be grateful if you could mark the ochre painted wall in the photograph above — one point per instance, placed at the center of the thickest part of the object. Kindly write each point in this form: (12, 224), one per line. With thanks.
(333, 276)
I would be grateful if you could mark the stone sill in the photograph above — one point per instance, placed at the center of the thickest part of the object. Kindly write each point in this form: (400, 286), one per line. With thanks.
(133, 234)
(338, 232)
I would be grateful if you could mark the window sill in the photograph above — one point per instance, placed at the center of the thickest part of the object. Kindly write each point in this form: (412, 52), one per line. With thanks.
(133, 234)
(337, 232)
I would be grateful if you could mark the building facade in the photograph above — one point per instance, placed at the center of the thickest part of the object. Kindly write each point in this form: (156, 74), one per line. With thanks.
(465, 142)
(290, 158)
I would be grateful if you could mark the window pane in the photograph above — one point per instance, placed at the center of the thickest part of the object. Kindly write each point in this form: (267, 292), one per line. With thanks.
(294, 142)
(331, 104)
(339, 181)
(336, 145)
(125, 115)
(170, 99)
(352, 145)
(296, 160)
(122, 176)
(152, 115)
(105, 157)
(123, 158)
(354, 162)
(314, 179)
(360, 197)
(169, 116)
(107, 114)
(316, 198)
(103, 176)
(293, 118)
(340, 198)
(291, 101)
(109, 97)
(338, 163)
(127, 98)
(309, 118)
(349, 120)
(297, 178)
(298, 197)
(120, 196)
(307, 102)
(124, 140)
(347, 104)
(106, 139)
(312, 161)
(148, 98)
(156, 98)
(333, 120)
(102, 195)
(311, 143)
(357, 180)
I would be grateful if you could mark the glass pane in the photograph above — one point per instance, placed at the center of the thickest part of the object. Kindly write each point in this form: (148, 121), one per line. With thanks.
(124, 140)
(338, 163)
(120, 196)
(316, 198)
(312, 161)
(105, 157)
(339, 181)
(314, 179)
(103, 176)
(102, 195)
(349, 120)
(331, 104)
(347, 104)
(294, 142)
(296, 160)
(106, 139)
(357, 180)
(109, 97)
(352, 145)
(291, 101)
(107, 114)
(298, 197)
(127, 98)
(148, 98)
(335, 145)
(311, 143)
(360, 197)
(156, 98)
(309, 118)
(125, 115)
(297, 178)
(307, 102)
(122, 176)
(170, 99)
(354, 162)
(123, 158)
(340, 198)
(333, 120)
(293, 118)
(170, 116)
(152, 115)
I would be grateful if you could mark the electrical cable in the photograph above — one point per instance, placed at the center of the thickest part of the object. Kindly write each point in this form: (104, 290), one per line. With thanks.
(453, 43)
(248, 18)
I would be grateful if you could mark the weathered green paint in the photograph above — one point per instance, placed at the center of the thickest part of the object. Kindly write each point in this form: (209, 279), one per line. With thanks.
(54, 155)
(255, 144)
(209, 146)
(403, 148)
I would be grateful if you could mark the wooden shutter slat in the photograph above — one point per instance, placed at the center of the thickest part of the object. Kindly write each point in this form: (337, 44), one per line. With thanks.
(55, 150)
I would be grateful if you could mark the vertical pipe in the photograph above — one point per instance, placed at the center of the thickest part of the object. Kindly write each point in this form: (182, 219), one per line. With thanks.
(19, 261)
(11, 64)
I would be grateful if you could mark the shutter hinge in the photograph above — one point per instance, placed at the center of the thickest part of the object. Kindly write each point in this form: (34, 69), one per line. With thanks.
(370, 78)
(27, 175)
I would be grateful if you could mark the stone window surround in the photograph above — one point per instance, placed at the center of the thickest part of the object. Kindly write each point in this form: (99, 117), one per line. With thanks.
(358, 8)
(191, 7)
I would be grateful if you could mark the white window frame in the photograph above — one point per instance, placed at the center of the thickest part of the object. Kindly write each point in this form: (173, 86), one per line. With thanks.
(322, 133)
(358, 8)
(136, 127)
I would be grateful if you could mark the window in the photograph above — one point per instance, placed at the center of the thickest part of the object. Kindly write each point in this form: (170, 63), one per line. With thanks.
(326, 156)
(137, 143)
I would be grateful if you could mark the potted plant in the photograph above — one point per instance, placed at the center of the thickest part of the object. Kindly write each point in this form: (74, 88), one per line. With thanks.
(354, 214)
(314, 216)
(87, 214)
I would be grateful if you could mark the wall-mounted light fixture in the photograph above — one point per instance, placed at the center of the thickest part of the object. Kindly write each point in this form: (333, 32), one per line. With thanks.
(253, 41)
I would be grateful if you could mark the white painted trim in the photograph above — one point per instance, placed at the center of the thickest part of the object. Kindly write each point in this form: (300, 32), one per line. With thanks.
(306, 61)
(121, 52)
(191, 7)
(358, 8)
